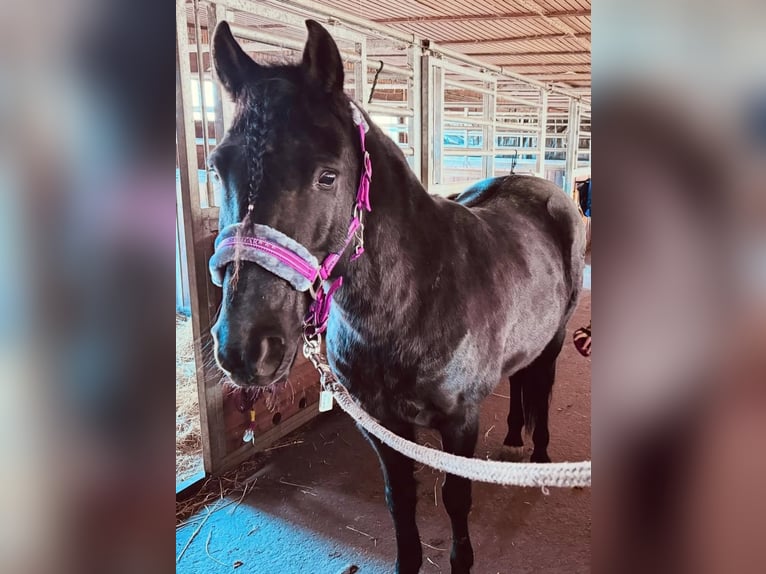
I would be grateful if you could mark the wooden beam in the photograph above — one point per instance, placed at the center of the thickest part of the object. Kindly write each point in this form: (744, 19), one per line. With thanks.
(557, 36)
(483, 17)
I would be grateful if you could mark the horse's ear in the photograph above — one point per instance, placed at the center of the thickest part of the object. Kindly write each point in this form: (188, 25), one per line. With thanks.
(322, 65)
(232, 64)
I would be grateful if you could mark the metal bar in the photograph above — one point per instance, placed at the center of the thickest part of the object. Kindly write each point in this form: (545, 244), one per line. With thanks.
(480, 75)
(488, 163)
(202, 99)
(361, 90)
(215, 14)
(281, 41)
(541, 139)
(350, 18)
(471, 120)
(279, 14)
(508, 128)
(389, 111)
(426, 121)
(475, 152)
(389, 69)
(484, 17)
(460, 57)
(437, 125)
(415, 124)
(468, 152)
(467, 86)
(210, 394)
(572, 145)
(522, 101)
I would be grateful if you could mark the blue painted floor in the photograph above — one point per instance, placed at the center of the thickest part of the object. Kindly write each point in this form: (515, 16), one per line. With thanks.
(265, 543)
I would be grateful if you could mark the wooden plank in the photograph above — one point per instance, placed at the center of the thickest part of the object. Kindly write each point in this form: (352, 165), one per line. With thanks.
(269, 437)
(196, 240)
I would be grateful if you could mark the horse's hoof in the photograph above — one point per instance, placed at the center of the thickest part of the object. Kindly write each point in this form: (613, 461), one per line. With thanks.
(508, 453)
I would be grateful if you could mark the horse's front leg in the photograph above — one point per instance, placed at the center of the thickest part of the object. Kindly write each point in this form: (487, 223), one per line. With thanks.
(401, 497)
(459, 437)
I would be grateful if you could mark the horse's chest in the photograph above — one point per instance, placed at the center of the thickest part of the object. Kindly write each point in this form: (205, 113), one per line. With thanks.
(395, 382)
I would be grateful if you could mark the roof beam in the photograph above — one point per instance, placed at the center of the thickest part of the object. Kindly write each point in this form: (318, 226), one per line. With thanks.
(547, 64)
(558, 36)
(483, 17)
(563, 77)
(557, 53)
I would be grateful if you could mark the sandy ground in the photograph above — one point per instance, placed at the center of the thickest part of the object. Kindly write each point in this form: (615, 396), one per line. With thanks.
(332, 514)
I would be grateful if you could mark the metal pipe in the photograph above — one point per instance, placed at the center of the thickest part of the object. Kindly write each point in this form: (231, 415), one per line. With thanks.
(389, 111)
(202, 100)
(279, 14)
(281, 41)
(502, 70)
(350, 18)
(389, 69)
(472, 120)
(467, 86)
(468, 152)
(518, 100)
(462, 70)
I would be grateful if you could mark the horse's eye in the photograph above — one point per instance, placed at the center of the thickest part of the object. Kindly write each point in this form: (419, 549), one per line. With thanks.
(327, 178)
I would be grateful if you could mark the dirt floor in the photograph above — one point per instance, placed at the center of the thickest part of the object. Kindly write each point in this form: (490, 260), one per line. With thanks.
(318, 507)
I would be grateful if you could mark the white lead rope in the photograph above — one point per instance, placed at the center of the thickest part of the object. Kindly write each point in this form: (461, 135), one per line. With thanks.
(542, 475)
(557, 474)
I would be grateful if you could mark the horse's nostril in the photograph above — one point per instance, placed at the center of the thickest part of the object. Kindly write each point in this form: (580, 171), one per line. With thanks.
(230, 360)
(271, 351)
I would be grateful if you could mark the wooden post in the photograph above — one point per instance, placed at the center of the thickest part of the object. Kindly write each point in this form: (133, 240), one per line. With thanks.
(198, 242)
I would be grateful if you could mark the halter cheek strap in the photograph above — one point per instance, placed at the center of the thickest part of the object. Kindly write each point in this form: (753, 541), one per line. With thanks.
(289, 259)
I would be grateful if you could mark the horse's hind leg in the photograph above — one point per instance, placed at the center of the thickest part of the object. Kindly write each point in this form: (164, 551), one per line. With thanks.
(513, 439)
(459, 437)
(536, 382)
(401, 497)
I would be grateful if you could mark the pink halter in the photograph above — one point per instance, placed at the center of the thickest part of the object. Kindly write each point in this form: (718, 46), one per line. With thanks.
(290, 260)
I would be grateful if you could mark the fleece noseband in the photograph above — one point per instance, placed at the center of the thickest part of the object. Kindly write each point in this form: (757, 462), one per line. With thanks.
(287, 258)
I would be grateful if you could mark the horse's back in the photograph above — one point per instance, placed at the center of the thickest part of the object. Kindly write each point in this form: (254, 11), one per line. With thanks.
(532, 221)
(518, 196)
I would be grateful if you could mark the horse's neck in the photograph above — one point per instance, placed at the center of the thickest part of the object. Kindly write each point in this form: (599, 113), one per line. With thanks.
(396, 231)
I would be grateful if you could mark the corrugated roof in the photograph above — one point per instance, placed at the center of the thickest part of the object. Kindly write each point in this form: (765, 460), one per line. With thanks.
(548, 40)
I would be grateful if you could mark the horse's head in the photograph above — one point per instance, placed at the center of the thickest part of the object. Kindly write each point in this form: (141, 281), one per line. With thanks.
(291, 161)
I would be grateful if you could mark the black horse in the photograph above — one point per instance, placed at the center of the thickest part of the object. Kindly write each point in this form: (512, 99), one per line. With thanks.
(448, 297)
